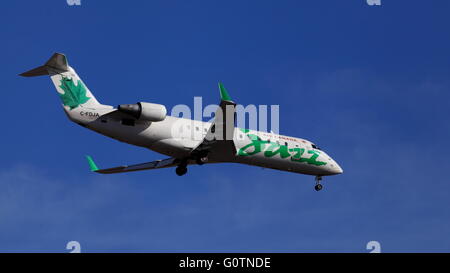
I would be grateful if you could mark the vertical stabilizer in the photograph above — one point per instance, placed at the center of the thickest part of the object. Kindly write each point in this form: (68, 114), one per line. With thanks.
(71, 89)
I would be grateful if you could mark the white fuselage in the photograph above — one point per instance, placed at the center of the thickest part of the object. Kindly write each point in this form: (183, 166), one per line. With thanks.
(177, 137)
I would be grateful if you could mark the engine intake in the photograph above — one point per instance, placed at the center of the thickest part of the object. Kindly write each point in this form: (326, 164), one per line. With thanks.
(144, 111)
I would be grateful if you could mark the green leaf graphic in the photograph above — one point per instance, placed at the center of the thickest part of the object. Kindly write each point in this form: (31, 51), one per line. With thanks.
(74, 95)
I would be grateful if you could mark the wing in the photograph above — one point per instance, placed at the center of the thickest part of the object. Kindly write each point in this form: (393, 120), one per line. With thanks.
(218, 143)
(158, 164)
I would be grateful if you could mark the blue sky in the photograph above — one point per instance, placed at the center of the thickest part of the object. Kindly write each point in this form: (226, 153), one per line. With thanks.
(367, 84)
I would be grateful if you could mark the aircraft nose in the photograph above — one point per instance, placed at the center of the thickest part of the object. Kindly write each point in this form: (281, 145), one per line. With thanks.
(334, 167)
(337, 169)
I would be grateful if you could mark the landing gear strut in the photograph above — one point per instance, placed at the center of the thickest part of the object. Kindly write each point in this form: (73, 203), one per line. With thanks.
(318, 186)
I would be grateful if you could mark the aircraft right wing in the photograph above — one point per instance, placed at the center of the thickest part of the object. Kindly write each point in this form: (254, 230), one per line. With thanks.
(218, 142)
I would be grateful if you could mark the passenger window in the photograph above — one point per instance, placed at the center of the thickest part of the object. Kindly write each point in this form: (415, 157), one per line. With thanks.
(196, 129)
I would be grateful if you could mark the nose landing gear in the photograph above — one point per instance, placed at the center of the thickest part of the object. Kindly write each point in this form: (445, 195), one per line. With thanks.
(318, 186)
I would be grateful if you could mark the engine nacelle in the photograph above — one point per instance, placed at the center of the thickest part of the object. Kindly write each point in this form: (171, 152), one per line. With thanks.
(144, 111)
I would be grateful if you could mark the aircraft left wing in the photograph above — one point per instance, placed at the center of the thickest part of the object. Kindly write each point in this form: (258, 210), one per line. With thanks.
(158, 164)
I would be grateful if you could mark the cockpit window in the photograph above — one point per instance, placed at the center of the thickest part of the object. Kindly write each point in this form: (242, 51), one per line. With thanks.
(314, 146)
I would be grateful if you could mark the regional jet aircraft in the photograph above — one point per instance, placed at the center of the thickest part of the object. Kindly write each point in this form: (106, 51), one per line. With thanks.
(185, 141)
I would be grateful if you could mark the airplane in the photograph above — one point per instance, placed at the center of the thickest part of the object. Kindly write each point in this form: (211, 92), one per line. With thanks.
(185, 141)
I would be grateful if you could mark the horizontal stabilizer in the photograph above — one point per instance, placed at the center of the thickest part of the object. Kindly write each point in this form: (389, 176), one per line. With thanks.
(57, 63)
(38, 71)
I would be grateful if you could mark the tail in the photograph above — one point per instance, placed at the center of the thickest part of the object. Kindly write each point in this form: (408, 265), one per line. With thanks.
(71, 89)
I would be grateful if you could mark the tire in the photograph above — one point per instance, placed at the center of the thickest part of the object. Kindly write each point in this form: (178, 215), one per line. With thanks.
(180, 171)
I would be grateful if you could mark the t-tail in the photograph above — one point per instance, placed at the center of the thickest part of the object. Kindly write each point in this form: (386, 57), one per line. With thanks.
(71, 89)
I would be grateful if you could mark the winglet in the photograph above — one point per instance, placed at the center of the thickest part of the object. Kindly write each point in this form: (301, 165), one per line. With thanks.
(223, 93)
(92, 164)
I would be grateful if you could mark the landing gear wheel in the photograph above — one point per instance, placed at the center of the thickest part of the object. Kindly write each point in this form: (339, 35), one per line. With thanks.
(201, 160)
(318, 187)
(181, 170)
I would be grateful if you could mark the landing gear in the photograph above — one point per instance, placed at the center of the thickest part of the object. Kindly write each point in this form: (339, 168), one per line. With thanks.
(181, 170)
(182, 166)
(201, 160)
(318, 186)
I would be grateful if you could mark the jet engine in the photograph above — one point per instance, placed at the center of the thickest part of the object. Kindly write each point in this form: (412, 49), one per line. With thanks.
(144, 111)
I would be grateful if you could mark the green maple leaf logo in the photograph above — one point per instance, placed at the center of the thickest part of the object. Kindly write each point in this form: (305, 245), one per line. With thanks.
(74, 95)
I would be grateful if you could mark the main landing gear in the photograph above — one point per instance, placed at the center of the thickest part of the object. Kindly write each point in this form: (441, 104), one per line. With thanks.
(318, 186)
(182, 168)
(201, 160)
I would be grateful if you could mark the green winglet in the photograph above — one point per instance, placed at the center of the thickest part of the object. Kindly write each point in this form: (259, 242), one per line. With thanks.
(91, 163)
(223, 93)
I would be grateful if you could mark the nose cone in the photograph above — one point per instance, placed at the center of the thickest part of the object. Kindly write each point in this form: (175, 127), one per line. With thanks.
(337, 169)
(332, 167)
